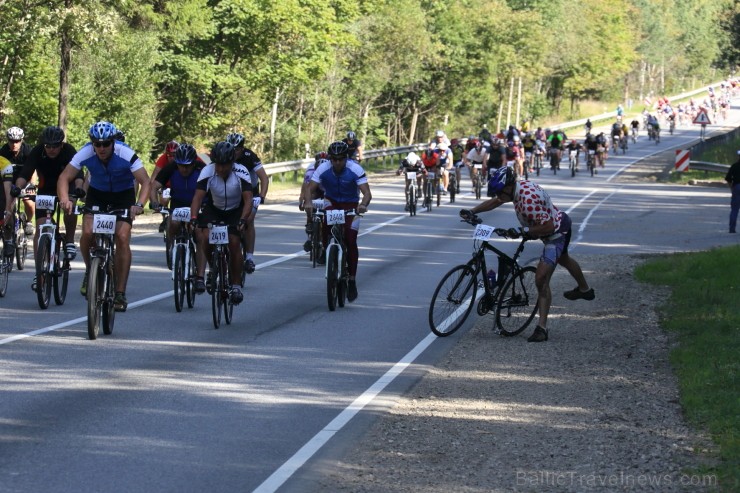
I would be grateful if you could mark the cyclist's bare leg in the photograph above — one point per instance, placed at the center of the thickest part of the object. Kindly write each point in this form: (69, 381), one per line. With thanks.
(70, 225)
(574, 269)
(202, 252)
(122, 265)
(544, 294)
(249, 234)
(86, 240)
(30, 207)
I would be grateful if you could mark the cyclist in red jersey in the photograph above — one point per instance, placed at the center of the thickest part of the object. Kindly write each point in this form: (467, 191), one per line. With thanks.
(167, 158)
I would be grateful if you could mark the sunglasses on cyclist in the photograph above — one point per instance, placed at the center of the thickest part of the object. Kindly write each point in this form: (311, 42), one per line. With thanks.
(53, 146)
(103, 143)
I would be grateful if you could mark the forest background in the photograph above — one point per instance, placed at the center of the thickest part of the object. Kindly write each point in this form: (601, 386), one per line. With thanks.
(287, 73)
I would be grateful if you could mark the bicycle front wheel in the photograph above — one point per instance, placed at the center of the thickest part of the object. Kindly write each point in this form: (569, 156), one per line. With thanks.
(453, 299)
(21, 251)
(61, 274)
(43, 272)
(190, 282)
(178, 264)
(332, 266)
(95, 297)
(517, 302)
(227, 305)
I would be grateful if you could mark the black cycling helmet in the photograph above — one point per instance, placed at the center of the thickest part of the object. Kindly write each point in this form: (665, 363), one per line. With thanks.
(185, 155)
(338, 149)
(236, 139)
(223, 153)
(52, 135)
(120, 136)
(351, 135)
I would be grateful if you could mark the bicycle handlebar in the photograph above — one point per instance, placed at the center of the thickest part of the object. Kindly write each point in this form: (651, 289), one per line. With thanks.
(511, 233)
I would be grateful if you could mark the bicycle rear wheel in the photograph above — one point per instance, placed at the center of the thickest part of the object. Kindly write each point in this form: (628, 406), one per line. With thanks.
(4, 271)
(332, 265)
(228, 306)
(452, 301)
(43, 272)
(517, 302)
(61, 273)
(109, 308)
(95, 296)
(190, 282)
(216, 293)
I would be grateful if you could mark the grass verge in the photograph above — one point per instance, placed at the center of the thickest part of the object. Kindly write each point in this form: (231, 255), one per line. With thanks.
(704, 313)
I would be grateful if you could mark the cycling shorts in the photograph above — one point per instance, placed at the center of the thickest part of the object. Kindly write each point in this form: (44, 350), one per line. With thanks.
(210, 214)
(111, 200)
(556, 245)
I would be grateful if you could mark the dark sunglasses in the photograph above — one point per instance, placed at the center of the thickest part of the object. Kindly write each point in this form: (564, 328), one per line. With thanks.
(13, 141)
(103, 143)
(53, 146)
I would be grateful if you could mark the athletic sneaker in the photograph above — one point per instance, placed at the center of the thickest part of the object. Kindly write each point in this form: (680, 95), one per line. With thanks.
(235, 295)
(577, 294)
(83, 288)
(539, 335)
(119, 302)
(249, 266)
(199, 286)
(70, 251)
(351, 290)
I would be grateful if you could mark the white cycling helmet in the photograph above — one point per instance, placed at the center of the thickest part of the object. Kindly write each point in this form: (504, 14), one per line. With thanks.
(412, 158)
(15, 133)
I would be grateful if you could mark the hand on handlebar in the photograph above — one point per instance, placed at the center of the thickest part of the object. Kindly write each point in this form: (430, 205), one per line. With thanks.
(469, 217)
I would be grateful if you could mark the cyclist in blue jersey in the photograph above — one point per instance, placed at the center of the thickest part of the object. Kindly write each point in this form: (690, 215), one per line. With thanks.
(342, 180)
(182, 175)
(114, 168)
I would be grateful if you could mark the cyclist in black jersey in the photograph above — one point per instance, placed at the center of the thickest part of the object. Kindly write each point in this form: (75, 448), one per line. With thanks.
(258, 176)
(354, 145)
(16, 150)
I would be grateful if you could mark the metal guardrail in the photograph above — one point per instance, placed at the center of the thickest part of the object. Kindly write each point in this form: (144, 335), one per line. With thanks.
(384, 155)
(707, 166)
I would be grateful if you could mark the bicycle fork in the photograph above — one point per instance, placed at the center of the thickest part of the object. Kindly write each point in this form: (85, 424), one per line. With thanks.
(340, 257)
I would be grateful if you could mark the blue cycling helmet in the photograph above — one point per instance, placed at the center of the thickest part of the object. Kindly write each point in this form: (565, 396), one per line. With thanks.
(185, 155)
(501, 178)
(103, 131)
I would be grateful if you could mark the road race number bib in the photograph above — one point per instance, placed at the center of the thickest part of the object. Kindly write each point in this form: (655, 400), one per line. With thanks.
(218, 235)
(335, 216)
(181, 214)
(104, 224)
(45, 202)
(166, 193)
(483, 232)
(411, 175)
(478, 165)
(318, 204)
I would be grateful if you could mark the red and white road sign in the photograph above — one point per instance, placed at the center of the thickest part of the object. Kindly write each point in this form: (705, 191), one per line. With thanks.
(702, 118)
(682, 160)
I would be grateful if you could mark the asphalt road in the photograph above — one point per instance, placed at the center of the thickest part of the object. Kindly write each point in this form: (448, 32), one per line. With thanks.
(167, 403)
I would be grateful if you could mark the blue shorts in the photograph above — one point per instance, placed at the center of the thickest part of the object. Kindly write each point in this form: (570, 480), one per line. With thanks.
(558, 245)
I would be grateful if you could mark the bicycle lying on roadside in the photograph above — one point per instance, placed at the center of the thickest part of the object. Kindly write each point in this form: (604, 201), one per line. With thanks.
(513, 296)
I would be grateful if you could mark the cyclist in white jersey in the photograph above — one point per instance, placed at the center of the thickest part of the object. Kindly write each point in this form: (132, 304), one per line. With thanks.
(229, 190)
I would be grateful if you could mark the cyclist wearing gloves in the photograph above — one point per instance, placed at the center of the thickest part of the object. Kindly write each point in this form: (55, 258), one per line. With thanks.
(257, 174)
(343, 179)
(114, 168)
(48, 160)
(229, 194)
(182, 175)
(540, 219)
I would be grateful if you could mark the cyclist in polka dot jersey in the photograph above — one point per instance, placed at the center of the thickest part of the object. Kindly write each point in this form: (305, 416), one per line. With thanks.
(540, 219)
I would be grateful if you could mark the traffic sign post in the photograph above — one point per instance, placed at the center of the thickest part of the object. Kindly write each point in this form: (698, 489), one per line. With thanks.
(682, 159)
(702, 118)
